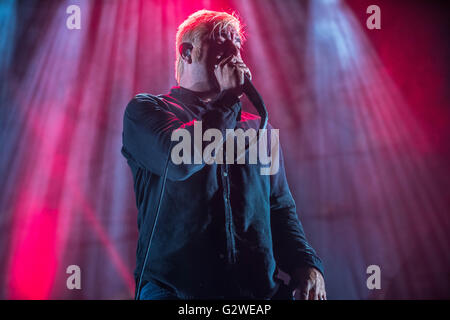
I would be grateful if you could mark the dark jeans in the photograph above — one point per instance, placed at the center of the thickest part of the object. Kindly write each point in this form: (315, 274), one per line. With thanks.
(153, 291)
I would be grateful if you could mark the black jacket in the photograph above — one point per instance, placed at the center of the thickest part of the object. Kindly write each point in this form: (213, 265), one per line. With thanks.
(222, 228)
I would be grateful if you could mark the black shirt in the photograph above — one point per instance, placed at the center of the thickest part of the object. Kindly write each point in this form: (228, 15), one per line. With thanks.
(223, 229)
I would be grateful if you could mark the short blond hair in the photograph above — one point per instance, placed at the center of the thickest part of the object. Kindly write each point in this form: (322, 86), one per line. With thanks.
(200, 23)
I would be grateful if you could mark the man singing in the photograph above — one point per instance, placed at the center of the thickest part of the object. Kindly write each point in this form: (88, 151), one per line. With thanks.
(210, 230)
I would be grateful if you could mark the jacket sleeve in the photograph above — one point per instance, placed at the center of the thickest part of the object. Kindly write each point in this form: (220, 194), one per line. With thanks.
(291, 248)
(148, 127)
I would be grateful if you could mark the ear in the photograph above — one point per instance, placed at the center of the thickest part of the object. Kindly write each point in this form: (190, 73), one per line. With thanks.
(185, 51)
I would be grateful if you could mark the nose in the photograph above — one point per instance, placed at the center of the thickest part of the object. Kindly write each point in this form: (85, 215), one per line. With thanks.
(231, 49)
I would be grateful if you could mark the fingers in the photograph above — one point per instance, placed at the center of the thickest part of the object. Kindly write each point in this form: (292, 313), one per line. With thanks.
(240, 68)
(230, 73)
(310, 285)
(224, 62)
(241, 73)
(233, 62)
(321, 285)
(318, 289)
(323, 294)
(316, 293)
(244, 67)
(304, 295)
(304, 291)
(312, 291)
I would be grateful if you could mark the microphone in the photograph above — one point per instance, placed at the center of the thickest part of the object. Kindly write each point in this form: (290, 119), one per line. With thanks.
(257, 101)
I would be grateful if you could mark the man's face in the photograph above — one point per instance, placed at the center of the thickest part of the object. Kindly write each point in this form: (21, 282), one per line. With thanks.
(224, 44)
(216, 48)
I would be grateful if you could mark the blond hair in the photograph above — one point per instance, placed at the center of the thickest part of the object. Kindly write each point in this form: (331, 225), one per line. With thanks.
(199, 24)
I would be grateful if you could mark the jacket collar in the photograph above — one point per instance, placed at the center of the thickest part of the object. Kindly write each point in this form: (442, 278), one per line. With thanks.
(191, 100)
(186, 96)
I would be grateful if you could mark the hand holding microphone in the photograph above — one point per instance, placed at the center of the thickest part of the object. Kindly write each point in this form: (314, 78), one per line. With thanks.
(231, 73)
